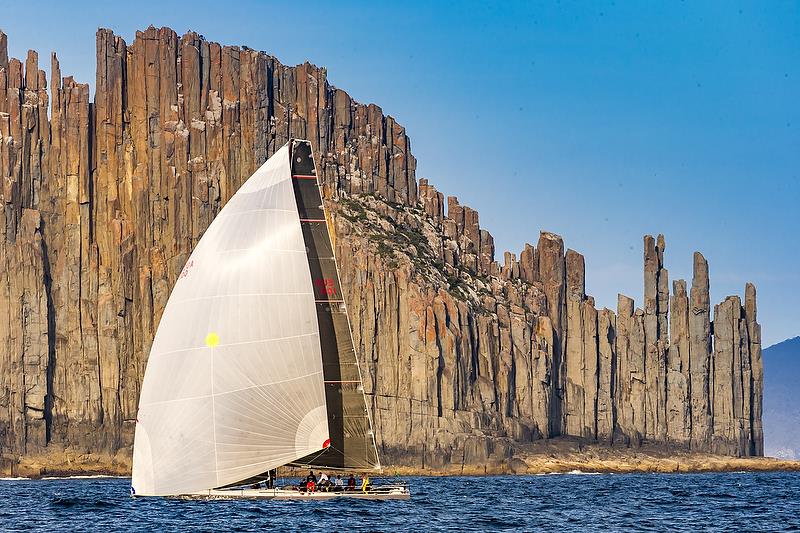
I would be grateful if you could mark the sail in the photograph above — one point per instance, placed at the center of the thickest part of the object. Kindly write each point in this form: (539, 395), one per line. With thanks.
(234, 381)
(352, 444)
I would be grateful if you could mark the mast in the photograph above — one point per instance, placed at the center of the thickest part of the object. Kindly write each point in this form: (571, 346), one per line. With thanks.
(352, 439)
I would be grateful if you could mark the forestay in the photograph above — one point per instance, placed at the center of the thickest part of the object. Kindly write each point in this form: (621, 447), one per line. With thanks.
(234, 381)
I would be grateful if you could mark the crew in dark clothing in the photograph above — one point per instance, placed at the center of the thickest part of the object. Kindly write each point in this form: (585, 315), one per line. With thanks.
(311, 476)
(351, 483)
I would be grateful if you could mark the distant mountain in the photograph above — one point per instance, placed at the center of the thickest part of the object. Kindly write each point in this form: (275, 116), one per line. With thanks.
(781, 406)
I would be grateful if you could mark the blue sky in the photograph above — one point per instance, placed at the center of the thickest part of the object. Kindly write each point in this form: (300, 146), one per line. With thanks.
(601, 121)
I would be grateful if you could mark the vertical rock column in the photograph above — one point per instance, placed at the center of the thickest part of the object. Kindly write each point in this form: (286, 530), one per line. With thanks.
(590, 368)
(679, 420)
(726, 379)
(606, 373)
(699, 354)
(736, 396)
(542, 369)
(551, 273)
(630, 391)
(24, 421)
(757, 366)
(574, 361)
(580, 357)
(656, 303)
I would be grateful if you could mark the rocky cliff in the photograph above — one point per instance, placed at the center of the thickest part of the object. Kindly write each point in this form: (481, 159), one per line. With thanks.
(465, 358)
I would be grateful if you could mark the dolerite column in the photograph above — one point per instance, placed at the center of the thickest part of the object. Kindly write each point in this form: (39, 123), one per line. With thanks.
(732, 386)
(678, 405)
(606, 372)
(757, 390)
(590, 369)
(630, 389)
(743, 391)
(656, 303)
(541, 368)
(662, 312)
(24, 333)
(699, 354)
(551, 272)
(527, 264)
(574, 363)
(725, 376)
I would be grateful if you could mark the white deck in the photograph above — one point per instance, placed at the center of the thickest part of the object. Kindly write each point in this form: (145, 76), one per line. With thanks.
(388, 492)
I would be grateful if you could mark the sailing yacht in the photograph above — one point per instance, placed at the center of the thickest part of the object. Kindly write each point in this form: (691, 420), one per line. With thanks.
(253, 365)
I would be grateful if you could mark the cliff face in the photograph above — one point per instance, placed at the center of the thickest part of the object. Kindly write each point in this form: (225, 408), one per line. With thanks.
(464, 357)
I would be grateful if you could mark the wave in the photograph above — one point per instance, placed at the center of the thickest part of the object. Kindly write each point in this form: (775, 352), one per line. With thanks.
(68, 501)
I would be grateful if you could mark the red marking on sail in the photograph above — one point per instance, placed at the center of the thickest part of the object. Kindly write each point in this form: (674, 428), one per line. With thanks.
(185, 271)
(326, 443)
(302, 177)
(326, 286)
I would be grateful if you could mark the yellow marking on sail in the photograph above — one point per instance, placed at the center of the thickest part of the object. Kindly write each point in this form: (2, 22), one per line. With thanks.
(212, 339)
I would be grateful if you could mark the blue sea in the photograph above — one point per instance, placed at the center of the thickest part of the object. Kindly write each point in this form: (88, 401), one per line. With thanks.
(566, 502)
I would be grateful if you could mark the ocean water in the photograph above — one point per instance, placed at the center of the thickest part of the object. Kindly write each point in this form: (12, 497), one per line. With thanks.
(568, 502)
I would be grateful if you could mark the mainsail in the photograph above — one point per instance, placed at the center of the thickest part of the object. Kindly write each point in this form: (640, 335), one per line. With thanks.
(352, 439)
(252, 366)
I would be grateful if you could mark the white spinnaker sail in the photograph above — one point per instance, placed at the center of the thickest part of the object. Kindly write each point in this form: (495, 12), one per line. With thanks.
(234, 385)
